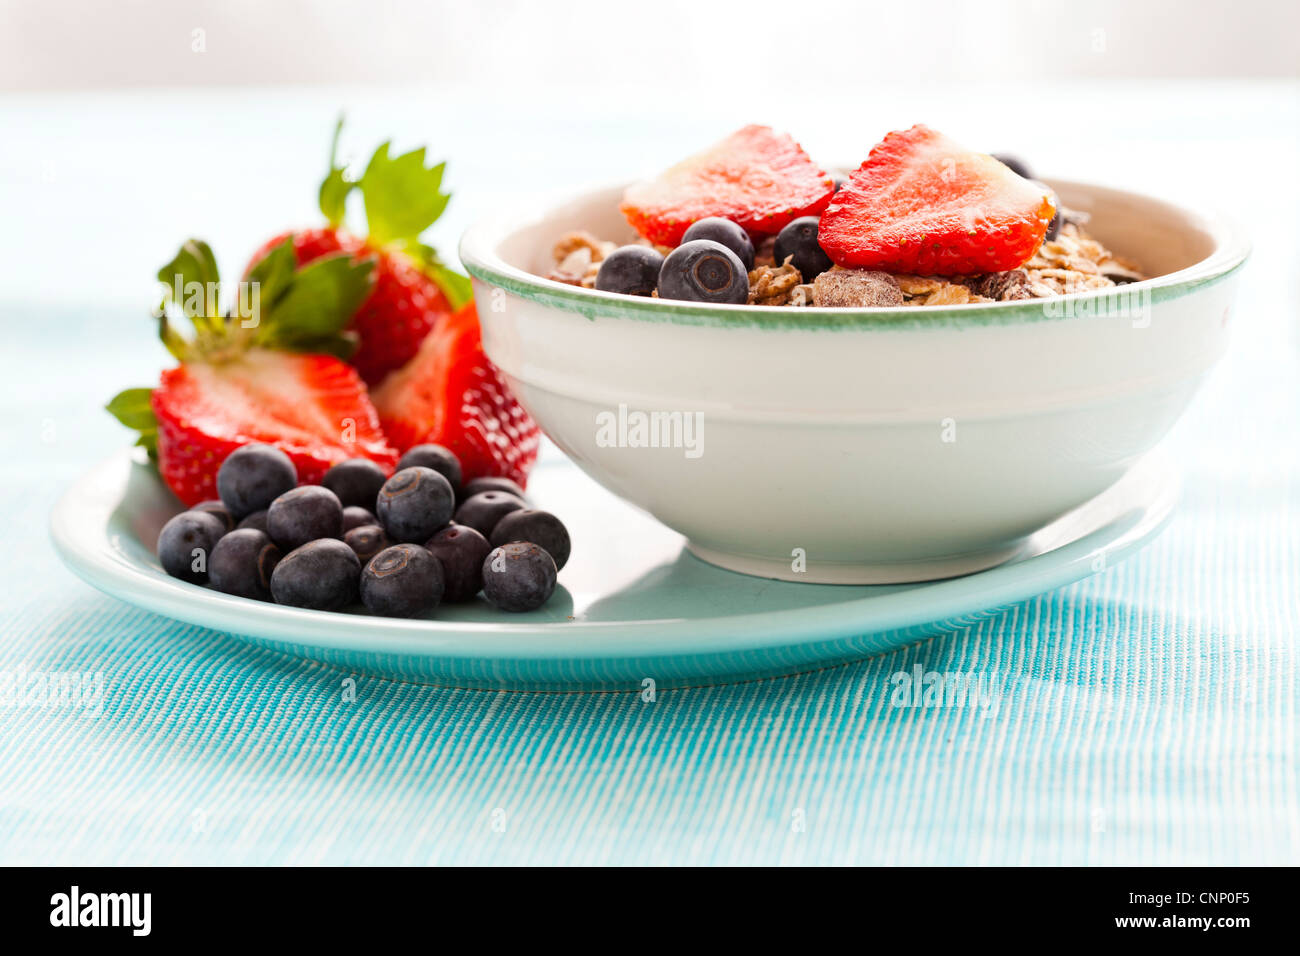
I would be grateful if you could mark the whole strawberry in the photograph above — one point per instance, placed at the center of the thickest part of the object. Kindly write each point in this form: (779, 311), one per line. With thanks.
(271, 370)
(412, 290)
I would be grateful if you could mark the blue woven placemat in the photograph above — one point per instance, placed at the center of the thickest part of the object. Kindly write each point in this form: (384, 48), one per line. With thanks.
(1145, 715)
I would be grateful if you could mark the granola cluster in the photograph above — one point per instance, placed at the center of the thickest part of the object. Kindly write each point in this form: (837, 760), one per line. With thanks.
(775, 285)
(1071, 262)
(578, 256)
(1075, 262)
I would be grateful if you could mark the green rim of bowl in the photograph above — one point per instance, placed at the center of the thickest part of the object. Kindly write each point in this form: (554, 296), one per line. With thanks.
(478, 253)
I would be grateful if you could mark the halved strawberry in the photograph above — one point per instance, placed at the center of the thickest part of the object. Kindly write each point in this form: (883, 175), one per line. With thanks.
(758, 178)
(242, 378)
(313, 407)
(922, 204)
(450, 394)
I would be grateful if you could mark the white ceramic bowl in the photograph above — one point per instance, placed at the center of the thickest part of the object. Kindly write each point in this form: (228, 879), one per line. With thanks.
(860, 446)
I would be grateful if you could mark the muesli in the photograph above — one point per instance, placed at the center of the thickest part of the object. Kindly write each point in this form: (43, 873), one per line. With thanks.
(923, 222)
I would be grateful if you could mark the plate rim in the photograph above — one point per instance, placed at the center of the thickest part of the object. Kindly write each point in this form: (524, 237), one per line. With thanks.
(524, 639)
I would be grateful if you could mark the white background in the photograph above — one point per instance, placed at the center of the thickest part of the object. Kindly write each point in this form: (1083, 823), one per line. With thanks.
(755, 49)
(123, 130)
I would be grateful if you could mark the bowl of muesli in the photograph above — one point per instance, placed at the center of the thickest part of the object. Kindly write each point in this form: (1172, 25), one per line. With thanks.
(895, 375)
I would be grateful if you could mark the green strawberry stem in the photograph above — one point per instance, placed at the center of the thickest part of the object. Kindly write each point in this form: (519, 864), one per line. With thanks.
(402, 198)
(279, 307)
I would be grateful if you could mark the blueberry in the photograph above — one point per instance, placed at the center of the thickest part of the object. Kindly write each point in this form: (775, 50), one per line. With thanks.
(483, 510)
(631, 270)
(217, 510)
(461, 550)
(356, 482)
(321, 575)
(518, 577)
(838, 180)
(186, 542)
(1015, 164)
(242, 563)
(799, 241)
(441, 460)
(540, 527)
(401, 581)
(414, 504)
(357, 517)
(252, 477)
(476, 485)
(704, 271)
(304, 514)
(367, 541)
(256, 521)
(726, 232)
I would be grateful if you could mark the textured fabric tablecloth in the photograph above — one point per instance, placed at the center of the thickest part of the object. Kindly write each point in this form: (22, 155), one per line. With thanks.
(1146, 715)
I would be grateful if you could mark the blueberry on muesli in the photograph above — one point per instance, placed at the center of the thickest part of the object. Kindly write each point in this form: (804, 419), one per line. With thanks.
(726, 232)
(630, 270)
(704, 271)
(798, 243)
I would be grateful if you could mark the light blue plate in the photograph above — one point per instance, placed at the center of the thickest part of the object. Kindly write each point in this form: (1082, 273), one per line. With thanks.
(633, 605)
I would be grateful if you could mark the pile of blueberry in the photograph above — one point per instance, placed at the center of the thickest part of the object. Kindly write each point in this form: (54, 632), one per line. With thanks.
(712, 264)
(401, 544)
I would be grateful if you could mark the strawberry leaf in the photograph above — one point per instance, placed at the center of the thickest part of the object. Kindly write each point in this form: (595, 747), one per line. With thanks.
(191, 284)
(272, 275)
(131, 407)
(402, 196)
(455, 286)
(317, 303)
(336, 186)
(173, 341)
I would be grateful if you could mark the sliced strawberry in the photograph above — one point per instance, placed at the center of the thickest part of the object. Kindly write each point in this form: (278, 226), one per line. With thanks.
(258, 375)
(314, 407)
(401, 309)
(758, 178)
(922, 204)
(450, 394)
